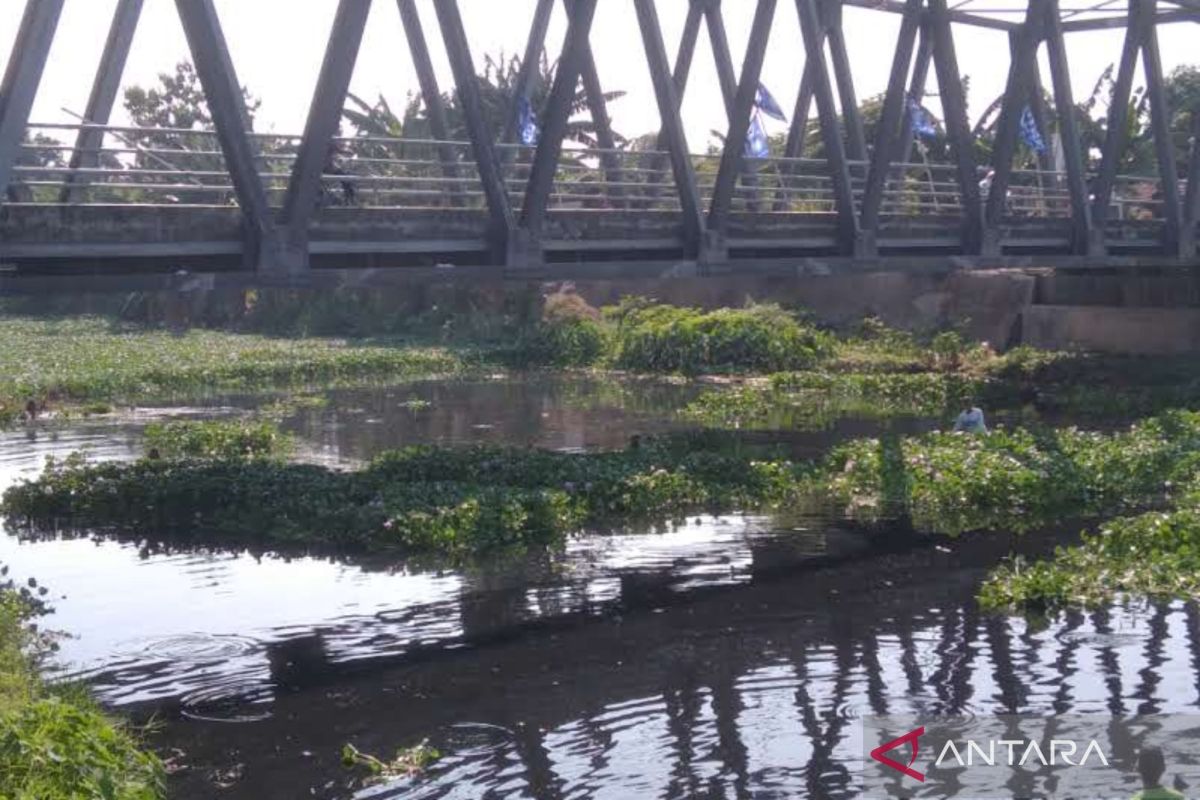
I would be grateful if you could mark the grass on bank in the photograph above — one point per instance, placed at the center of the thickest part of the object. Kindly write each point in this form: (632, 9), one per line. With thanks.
(92, 360)
(55, 743)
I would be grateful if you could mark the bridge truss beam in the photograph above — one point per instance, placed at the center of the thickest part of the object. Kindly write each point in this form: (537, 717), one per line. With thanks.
(23, 76)
(86, 153)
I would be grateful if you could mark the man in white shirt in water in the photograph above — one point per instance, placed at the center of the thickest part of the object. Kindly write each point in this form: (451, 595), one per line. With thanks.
(970, 421)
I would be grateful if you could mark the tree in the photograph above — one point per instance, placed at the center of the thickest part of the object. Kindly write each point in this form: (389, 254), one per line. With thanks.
(179, 137)
(37, 151)
(1183, 98)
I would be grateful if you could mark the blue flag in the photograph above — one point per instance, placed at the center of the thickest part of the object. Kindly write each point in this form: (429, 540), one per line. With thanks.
(920, 121)
(757, 144)
(1030, 133)
(527, 127)
(766, 103)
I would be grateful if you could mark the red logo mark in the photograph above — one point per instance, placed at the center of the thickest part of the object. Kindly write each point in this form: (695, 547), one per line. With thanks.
(911, 736)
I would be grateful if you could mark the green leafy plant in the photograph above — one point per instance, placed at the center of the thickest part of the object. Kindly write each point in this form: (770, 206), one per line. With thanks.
(217, 439)
(1014, 480)
(457, 501)
(1153, 555)
(761, 338)
(57, 743)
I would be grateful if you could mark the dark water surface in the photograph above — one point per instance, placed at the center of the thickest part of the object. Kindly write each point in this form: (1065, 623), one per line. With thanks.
(718, 657)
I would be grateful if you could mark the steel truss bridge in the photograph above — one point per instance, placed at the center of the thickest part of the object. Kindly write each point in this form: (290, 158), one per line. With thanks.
(121, 200)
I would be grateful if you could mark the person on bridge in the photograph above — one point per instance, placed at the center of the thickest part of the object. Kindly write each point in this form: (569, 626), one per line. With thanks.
(333, 166)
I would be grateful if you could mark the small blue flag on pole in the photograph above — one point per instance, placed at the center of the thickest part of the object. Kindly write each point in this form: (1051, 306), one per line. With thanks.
(1030, 133)
(766, 103)
(757, 144)
(528, 129)
(920, 121)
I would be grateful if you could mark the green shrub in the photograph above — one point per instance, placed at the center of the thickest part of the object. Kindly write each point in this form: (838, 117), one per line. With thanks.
(948, 348)
(564, 343)
(764, 338)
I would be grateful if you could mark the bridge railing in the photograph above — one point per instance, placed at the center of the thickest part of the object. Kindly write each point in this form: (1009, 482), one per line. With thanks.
(129, 165)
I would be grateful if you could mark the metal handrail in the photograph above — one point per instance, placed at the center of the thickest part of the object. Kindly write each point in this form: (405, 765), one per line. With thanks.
(589, 176)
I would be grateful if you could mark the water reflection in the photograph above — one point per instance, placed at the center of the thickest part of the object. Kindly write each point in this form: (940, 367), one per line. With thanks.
(547, 411)
(220, 635)
(728, 722)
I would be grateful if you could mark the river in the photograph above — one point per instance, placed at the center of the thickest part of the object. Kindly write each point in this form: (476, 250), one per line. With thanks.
(711, 657)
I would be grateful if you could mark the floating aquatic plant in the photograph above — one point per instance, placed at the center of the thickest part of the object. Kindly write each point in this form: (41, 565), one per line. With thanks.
(408, 763)
(217, 439)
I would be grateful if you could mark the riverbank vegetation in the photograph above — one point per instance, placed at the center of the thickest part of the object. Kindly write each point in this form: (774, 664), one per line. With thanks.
(54, 742)
(639, 335)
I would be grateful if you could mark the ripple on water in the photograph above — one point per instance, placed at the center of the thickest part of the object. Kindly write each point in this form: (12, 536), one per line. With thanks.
(192, 647)
(231, 701)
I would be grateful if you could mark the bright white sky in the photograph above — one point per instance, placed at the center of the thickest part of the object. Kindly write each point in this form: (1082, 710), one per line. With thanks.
(277, 46)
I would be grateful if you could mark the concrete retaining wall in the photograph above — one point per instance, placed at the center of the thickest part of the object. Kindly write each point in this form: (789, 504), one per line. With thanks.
(1146, 331)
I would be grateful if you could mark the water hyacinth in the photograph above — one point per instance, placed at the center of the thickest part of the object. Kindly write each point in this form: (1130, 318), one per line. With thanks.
(217, 439)
(92, 359)
(1155, 555)
(1014, 480)
(456, 501)
(814, 400)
